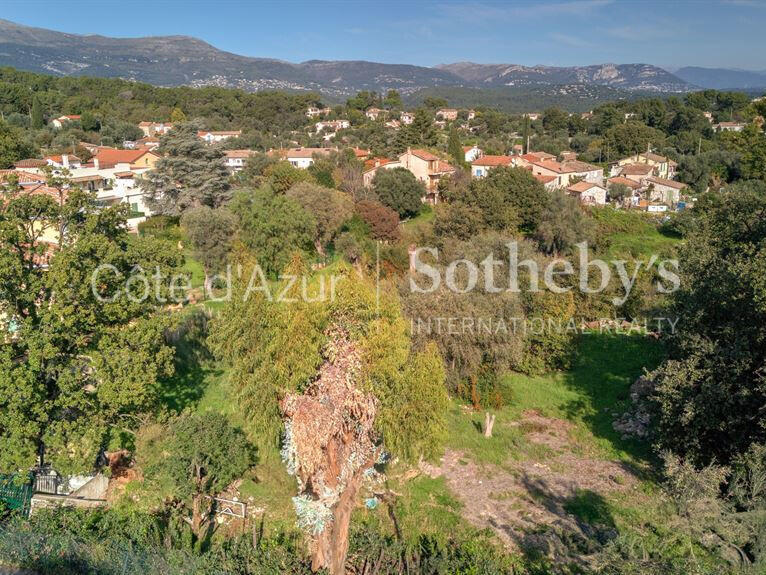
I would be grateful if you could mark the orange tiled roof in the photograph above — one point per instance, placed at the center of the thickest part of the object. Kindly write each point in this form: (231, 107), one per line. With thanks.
(108, 157)
(424, 155)
(492, 161)
(583, 186)
(624, 181)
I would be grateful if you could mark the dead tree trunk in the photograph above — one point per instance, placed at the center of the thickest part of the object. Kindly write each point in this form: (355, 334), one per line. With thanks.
(329, 445)
(331, 547)
(489, 423)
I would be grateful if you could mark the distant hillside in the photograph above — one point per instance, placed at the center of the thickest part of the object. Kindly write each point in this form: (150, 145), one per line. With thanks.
(723, 78)
(520, 99)
(621, 76)
(182, 60)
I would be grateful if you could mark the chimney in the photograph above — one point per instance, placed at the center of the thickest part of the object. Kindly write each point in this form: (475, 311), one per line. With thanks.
(95, 162)
(65, 160)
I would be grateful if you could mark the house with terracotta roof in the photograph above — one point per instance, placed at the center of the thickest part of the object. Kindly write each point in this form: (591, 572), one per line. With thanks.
(23, 178)
(300, 157)
(565, 172)
(372, 166)
(394, 124)
(663, 190)
(219, 136)
(314, 112)
(471, 153)
(636, 172)
(588, 193)
(531, 157)
(374, 113)
(481, 166)
(663, 167)
(109, 157)
(361, 154)
(235, 159)
(428, 168)
(447, 114)
(30, 164)
(155, 128)
(619, 180)
(59, 122)
(548, 182)
(68, 161)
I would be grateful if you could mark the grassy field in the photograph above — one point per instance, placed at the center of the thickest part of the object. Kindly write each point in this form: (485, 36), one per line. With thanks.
(586, 395)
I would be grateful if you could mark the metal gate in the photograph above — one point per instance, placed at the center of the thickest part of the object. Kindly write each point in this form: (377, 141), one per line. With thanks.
(16, 492)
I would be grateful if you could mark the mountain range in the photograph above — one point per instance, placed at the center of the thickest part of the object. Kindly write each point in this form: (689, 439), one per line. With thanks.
(723, 78)
(183, 60)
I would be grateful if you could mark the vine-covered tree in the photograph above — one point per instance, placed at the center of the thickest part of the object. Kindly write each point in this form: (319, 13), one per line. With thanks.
(341, 378)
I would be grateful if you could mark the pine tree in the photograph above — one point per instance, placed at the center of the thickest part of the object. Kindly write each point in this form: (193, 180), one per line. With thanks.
(191, 174)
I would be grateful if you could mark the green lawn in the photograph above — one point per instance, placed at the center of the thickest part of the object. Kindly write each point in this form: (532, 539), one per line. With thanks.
(595, 387)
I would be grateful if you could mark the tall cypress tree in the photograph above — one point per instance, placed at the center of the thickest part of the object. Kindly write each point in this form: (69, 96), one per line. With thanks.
(36, 113)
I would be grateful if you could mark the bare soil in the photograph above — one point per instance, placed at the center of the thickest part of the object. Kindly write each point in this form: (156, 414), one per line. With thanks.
(524, 501)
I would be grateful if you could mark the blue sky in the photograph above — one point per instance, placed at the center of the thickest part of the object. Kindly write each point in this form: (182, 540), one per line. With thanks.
(671, 34)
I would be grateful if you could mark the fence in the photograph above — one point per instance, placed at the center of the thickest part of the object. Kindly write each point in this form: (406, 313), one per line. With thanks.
(16, 492)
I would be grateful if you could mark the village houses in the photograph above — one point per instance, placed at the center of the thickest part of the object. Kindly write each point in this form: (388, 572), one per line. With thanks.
(59, 122)
(332, 125)
(155, 128)
(428, 168)
(219, 136)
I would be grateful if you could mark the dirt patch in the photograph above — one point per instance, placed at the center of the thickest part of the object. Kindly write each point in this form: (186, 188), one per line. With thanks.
(556, 506)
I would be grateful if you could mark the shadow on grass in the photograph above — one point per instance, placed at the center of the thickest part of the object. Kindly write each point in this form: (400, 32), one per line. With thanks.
(605, 367)
(582, 522)
(194, 365)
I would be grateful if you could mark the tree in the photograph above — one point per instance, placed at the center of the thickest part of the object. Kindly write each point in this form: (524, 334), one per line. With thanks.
(563, 224)
(619, 192)
(274, 227)
(283, 175)
(89, 122)
(399, 190)
(211, 233)
(710, 395)
(631, 138)
(189, 174)
(36, 113)
(367, 392)
(555, 120)
(383, 221)
(454, 149)
(94, 350)
(330, 208)
(177, 116)
(422, 131)
(192, 458)
(393, 100)
(509, 191)
(12, 146)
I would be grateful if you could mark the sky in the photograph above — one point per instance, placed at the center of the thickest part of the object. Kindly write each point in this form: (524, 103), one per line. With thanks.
(729, 33)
